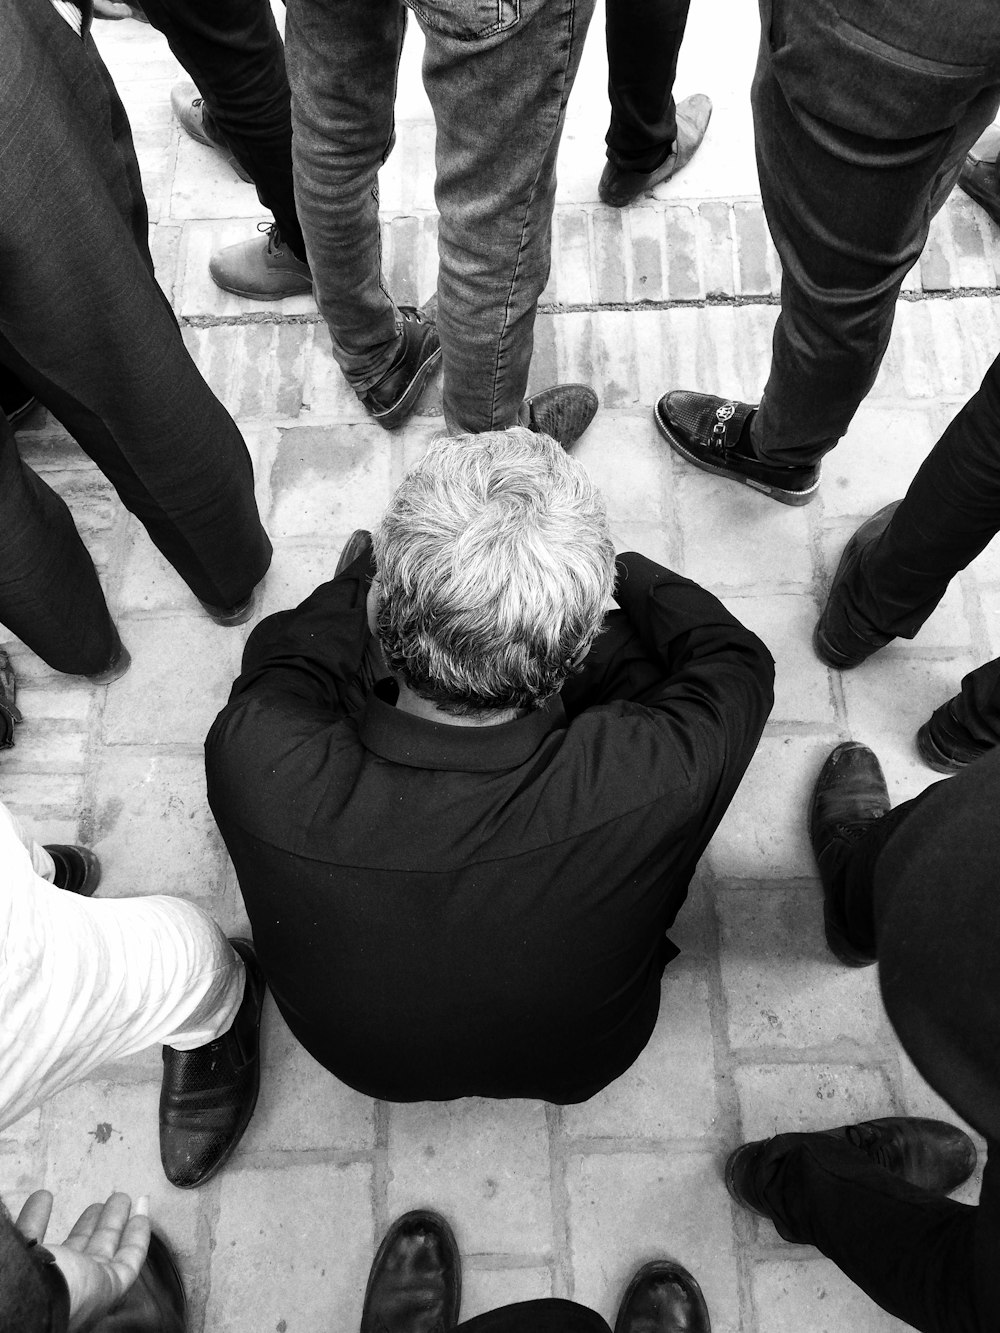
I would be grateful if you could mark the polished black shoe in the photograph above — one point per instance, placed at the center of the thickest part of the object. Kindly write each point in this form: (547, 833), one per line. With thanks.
(395, 396)
(945, 744)
(155, 1302)
(119, 663)
(619, 187)
(415, 1285)
(359, 543)
(563, 412)
(238, 614)
(836, 641)
(663, 1297)
(10, 714)
(930, 1154)
(208, 1094)
(849, 795)
(78, 869)
(706, 431)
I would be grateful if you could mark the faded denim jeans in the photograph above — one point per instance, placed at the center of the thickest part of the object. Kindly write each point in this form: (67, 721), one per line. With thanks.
(498, 74)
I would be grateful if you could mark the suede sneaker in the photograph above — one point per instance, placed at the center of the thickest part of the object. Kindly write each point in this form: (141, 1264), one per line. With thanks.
(262, 269)
(195, 120)
(620, 187)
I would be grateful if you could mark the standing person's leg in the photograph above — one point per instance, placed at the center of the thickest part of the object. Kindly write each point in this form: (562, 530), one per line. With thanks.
(342, 58)
(50, 596)
(849, 205)
(84, 325)
(87, 980)
(644, 40)
(234, 53)
(499, 96)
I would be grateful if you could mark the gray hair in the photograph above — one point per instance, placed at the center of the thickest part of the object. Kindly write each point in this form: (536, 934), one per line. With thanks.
(496, 564)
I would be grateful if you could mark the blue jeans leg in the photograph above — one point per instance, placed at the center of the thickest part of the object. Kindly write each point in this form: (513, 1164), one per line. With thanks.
(495, 188)
(342, 58)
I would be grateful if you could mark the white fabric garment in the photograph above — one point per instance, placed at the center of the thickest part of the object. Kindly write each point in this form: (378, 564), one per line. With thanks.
(86, 980)
(70, 12)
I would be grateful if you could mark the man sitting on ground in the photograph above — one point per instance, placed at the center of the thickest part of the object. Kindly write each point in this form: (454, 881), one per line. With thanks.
(460, 883)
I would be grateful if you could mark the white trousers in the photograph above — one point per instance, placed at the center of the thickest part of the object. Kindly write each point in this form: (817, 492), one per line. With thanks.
(86, 980)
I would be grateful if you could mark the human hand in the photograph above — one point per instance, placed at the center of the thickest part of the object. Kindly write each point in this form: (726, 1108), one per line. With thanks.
(112, 9)
(100, 1258)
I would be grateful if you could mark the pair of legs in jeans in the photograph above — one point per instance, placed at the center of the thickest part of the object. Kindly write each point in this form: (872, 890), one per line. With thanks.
(85, 327)
(89, 980)
(862, 121)
(918, 889)
(498, 76)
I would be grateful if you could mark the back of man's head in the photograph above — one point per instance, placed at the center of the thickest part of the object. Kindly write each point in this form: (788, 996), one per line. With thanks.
(495, 566)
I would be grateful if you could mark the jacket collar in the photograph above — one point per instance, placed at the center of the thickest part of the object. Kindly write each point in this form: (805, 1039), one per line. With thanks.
(403, 738)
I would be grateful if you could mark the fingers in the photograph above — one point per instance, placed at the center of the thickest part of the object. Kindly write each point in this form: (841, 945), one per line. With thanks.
(98, 1230)
(33, 1219)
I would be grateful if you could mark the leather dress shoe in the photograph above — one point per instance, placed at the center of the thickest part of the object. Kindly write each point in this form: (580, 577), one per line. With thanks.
(208, 1094)
(663, 1297)
(394, 397)
(415, 1285)
(9, 711)
(930, 1154)
(264, 268)
(563, 412)
(849, 795)
(189, 110)
(155, 1302)
(359, 543)
(706, 431)
(836, 641)
(979, 177)
(619, 187)
(239, 613)
(945, 744)
(78, 869)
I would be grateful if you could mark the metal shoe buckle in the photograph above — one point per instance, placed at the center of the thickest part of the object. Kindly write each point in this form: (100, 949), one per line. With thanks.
(717, 440)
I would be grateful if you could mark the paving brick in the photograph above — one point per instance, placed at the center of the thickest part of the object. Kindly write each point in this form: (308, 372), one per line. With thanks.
(330, 479)
(752, 250)
(888, 699)
(763, 834)
(400, 261)
(571, 250)
(715, 248)
(488, 1173)
(795, 1294)
(206, 185)
(325, 392)
(609, 255)
(624, 456)
(485, 1289)
(683, 275)
(876, 460)
(655, 540)
(103, 1136)
(742, 541)
(935, 267)
(579, 343)
(544, 371)
(626, 1208)
(256, 369)
(645, 232)
(972, 259)
(51, 745)
(151, 825)
(167, 695)
(670, 1090)
(275, 1247)
(297, 569)
(785, 623)
(783, 987)
(22, 1159)
(48, 804)
(796, 1098)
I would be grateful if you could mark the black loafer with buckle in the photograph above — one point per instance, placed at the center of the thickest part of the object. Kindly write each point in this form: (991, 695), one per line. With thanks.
(394, 397)
(706, 431)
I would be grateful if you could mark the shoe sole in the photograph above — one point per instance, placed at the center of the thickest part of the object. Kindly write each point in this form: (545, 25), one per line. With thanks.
(395, 416)
(934, 757)
(259, 295)
(796, 498)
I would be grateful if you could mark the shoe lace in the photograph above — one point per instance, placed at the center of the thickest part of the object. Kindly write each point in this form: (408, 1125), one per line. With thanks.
(273, 233)
(868, 1140)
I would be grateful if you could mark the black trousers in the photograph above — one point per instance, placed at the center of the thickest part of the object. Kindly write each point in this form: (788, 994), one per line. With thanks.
(862, 116)
(84, 325)
(549, 1316)
(233, 51)
(928, 1260)
(949, 514)
(644, 38)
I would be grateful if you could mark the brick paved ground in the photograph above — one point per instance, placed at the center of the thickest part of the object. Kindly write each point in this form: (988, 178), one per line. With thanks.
(760, 1029)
